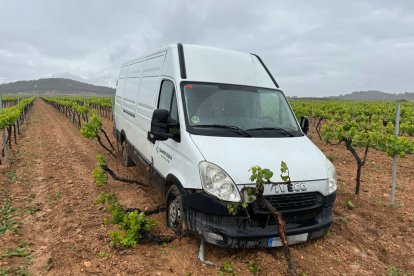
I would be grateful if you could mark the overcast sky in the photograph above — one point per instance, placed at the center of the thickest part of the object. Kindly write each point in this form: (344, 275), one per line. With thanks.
(313, 48)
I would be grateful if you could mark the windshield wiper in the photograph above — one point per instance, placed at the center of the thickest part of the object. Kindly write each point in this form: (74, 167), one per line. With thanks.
(226, 127)
(278, 129)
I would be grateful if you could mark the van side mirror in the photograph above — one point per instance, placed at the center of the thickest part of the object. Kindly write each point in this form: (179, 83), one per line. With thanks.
(304, 124)
(161, 129)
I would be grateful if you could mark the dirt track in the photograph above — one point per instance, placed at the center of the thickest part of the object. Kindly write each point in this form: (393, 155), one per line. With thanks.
(63, 230)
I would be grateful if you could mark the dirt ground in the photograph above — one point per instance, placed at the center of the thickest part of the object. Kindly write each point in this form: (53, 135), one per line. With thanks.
(54, 227)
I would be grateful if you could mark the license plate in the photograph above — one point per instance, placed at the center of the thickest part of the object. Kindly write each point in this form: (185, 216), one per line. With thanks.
(276, 242)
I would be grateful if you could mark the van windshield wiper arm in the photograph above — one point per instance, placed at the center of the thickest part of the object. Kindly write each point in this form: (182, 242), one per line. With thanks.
(278, 129)
(227, 127)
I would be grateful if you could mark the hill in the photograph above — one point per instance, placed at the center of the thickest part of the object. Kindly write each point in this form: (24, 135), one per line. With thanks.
(375, 95)
(54, 86)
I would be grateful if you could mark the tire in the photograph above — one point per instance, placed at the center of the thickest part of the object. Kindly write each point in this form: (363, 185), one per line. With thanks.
(126, 159)
(175, 211)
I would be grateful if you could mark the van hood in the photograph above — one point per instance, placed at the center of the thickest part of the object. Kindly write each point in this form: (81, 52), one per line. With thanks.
(237, 155)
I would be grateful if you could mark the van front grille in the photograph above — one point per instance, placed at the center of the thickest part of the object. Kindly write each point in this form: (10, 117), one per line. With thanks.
(296, 208)
(296, 201)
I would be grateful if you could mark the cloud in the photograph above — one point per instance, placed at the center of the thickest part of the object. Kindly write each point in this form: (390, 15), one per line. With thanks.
(313, 48)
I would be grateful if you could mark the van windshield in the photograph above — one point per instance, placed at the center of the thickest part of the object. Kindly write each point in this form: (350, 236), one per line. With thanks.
(233, 110)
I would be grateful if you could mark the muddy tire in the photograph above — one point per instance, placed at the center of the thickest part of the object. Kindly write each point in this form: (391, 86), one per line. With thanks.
(126, 159)
(175, 211)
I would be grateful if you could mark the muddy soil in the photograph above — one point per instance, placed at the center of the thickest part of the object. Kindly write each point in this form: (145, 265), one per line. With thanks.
(56, 227)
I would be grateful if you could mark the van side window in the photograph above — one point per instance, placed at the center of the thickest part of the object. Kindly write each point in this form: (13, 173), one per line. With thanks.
(168, 100)
(174, 109)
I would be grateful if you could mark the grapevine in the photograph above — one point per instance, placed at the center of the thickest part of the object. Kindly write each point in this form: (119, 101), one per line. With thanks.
(362, 125)
(99, 174)
(261, 177)
(93, 128)
(10, 120)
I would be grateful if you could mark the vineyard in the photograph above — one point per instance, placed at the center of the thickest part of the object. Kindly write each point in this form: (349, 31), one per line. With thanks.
(12, 115)
(388, 127)
(69, 206)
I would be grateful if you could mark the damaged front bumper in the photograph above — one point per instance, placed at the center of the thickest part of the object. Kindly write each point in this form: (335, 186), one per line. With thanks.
(307, 215)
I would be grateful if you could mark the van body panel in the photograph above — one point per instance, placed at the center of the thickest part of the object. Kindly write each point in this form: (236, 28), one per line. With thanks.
(171, 67)
(138, 84)
(130, 94)
(153, 65)
(147, 101)
(118, 96)
(178, 159)
(237, 155)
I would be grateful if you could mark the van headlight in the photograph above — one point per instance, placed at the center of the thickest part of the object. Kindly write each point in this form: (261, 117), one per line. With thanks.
(331, 176)
(217, 182)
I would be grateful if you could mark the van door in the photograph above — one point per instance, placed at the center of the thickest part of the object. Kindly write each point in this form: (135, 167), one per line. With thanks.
(163, 152)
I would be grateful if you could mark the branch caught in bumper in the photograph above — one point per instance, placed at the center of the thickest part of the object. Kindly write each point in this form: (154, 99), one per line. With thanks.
(208, 218)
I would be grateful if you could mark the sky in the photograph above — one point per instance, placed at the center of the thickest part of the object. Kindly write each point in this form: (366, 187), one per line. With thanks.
(312, 48)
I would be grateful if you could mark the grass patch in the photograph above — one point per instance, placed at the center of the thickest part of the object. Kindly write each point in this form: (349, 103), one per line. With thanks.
(5, 271)
(103, 254)
(394, 271)
(253, 267)
(349, 204)
(327, 235)
(163, 252)
(18, 252)
(11, 177)
(6, 217)
(58, 195)
(227, 269)
(31, 210)
(343, 220)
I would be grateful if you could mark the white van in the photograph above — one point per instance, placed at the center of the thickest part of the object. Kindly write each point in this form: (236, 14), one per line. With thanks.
(200, 118)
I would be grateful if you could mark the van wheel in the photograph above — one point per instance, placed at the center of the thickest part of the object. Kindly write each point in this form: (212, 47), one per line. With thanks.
(126, 160)
(175, 211)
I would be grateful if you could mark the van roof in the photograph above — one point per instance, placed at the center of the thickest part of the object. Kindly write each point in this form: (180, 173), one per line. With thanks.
(210, 64)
